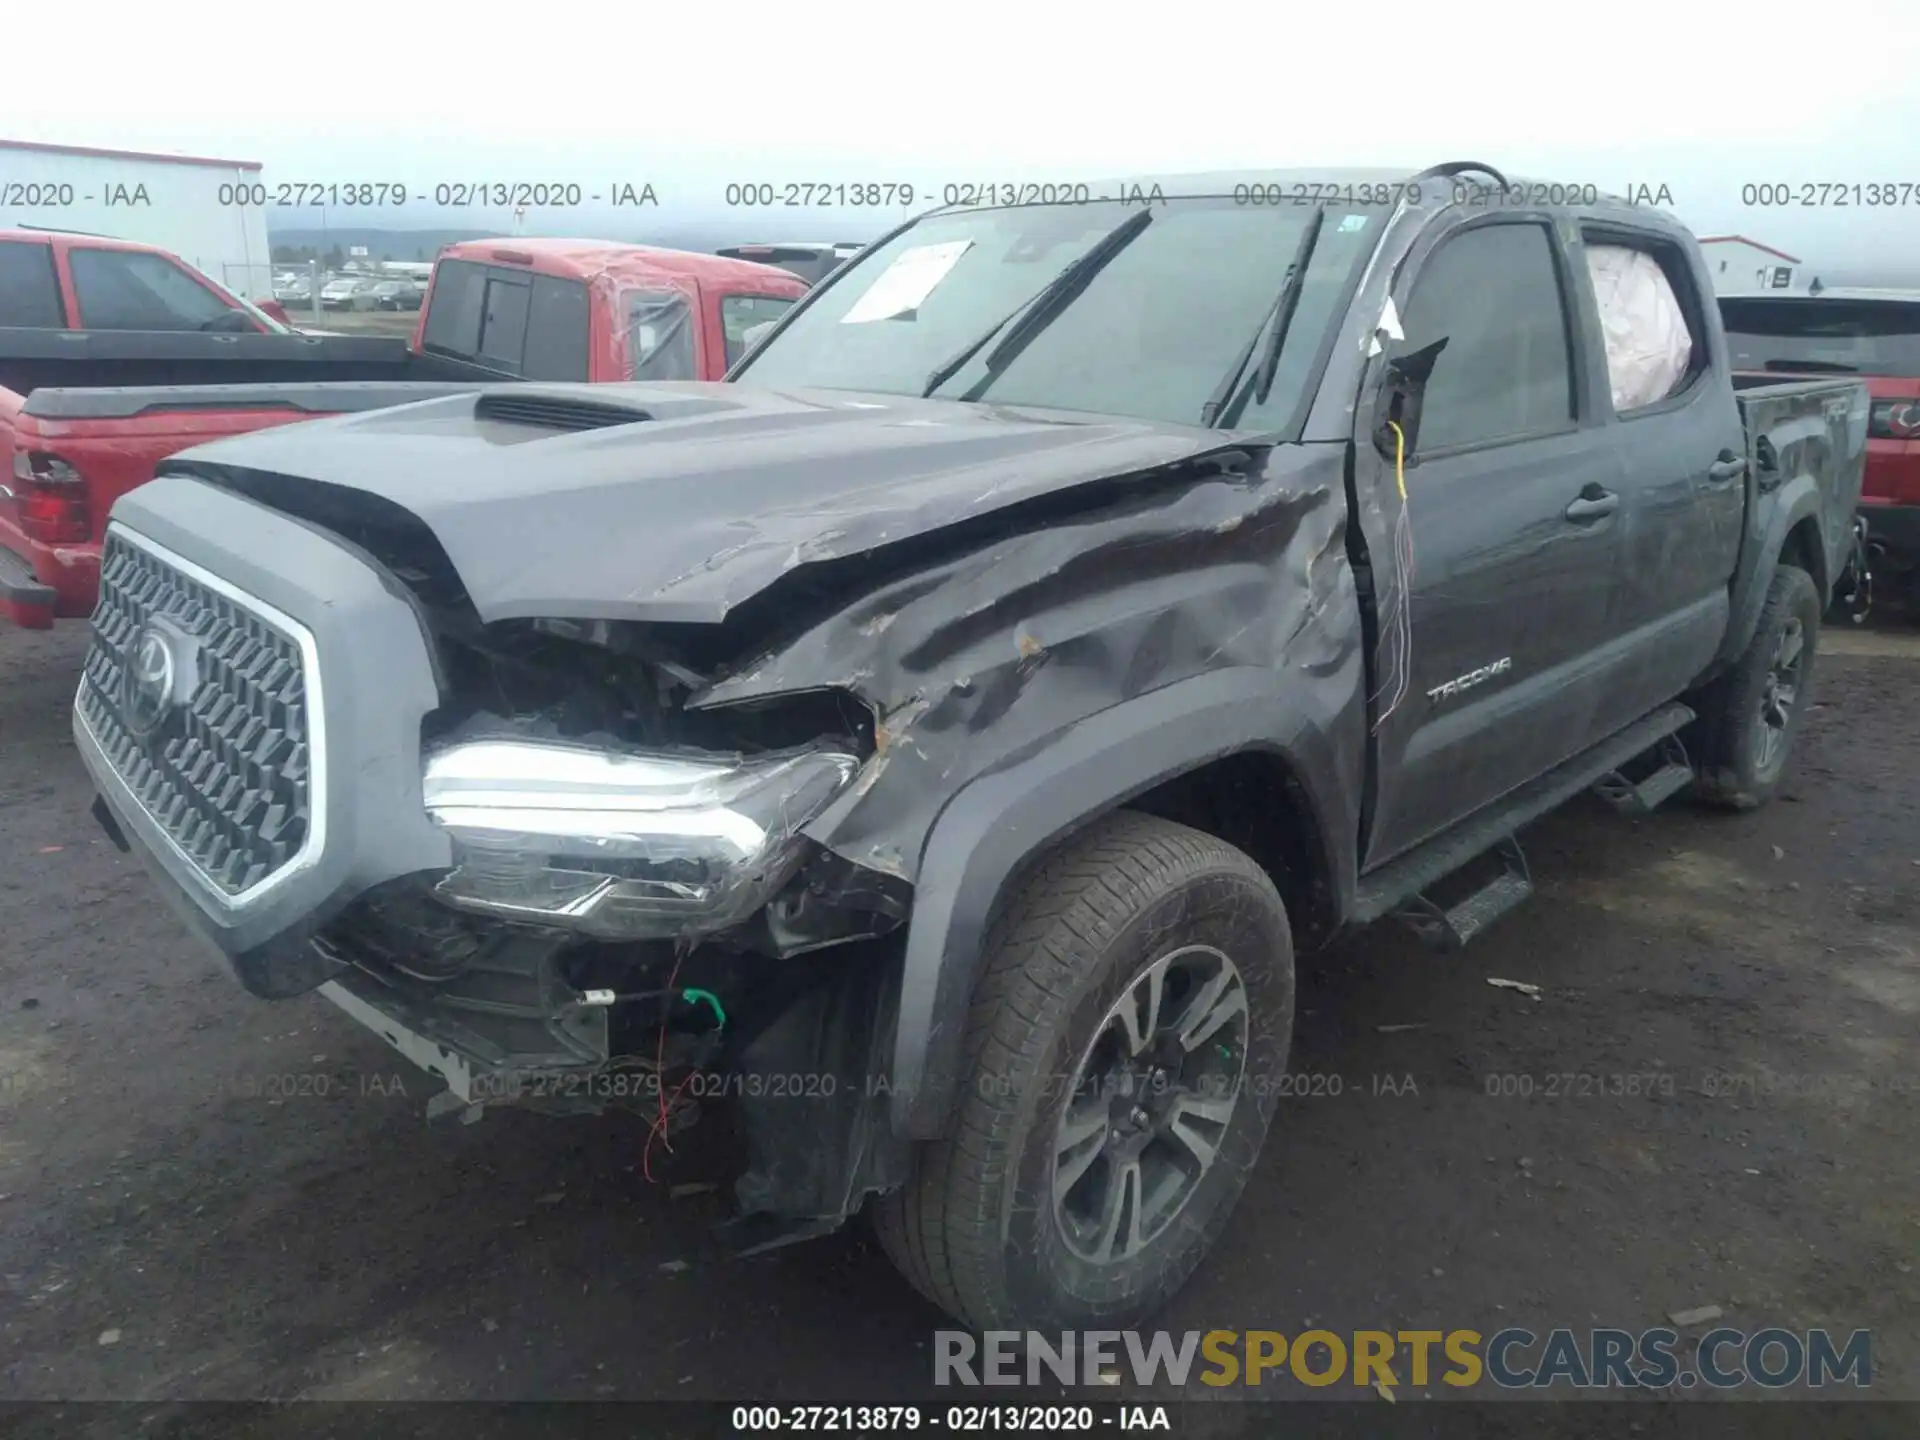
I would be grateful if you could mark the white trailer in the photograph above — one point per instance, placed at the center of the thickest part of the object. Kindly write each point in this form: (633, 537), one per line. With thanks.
(211, 213)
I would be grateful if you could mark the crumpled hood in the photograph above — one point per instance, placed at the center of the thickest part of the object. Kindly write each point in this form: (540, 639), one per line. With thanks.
(683, 515)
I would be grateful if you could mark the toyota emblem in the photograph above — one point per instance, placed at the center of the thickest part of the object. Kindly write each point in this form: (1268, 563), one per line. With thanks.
(150, 681)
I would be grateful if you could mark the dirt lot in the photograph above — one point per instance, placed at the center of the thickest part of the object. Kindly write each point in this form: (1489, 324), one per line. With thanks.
(205, 1196)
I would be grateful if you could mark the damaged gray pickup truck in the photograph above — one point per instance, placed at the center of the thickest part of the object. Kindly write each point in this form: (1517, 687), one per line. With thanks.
(932, 747)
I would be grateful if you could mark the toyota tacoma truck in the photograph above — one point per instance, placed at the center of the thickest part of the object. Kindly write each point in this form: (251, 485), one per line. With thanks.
(86, 413)
(935, 745)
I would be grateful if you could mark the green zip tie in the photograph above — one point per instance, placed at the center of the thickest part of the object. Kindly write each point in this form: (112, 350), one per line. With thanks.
(694, 997)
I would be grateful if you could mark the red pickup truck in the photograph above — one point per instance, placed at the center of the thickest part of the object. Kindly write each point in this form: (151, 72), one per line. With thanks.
(50, 281)
(87, 411)
(1873, 335)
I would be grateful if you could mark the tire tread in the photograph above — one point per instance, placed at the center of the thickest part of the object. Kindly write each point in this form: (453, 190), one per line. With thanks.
(1722, 777)
(939, 1229)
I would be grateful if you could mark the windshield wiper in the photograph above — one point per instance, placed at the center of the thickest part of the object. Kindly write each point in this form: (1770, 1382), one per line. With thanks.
(1036, 314)
(1273, 325)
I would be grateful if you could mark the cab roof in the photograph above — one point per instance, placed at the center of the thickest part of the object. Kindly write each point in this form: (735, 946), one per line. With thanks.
(80, 237)
(637, 264)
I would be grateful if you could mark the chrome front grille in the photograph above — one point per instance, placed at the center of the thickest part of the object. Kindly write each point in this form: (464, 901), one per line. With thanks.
(222, 764)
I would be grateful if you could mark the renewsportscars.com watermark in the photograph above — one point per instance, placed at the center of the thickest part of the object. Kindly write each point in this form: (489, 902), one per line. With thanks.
(1510, 1359)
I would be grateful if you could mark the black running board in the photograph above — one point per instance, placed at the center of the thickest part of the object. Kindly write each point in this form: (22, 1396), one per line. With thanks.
(1397, 887)
(1643, 796)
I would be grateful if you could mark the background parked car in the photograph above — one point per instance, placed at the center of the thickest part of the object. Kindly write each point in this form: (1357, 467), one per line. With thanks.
(398, 295)
(349, 292)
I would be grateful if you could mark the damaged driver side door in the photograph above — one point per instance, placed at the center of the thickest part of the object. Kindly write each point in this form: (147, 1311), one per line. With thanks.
(1497, 578)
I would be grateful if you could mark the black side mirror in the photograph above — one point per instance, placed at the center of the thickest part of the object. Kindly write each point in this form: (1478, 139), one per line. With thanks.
(1399, 400)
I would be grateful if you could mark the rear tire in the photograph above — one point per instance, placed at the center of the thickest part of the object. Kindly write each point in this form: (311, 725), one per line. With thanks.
(1137, 928)
(1750, 717)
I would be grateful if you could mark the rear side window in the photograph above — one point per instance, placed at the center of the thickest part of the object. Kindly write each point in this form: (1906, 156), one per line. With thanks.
(503, 321)
(454, 308)
(135, 290)
(1864, 337)
(1493, 293)
(29, 291)
(659, 336)
(1650, 347)
(556, 330)
(746, 317)
(532, 326)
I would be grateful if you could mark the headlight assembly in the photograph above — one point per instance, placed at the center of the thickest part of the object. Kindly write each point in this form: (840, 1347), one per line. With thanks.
(623, 846)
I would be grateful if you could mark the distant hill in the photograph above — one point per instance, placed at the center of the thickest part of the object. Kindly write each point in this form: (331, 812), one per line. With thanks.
(381, 244)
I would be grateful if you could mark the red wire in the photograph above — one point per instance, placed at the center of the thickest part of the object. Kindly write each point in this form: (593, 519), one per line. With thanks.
(660, 1126)
(658, 1130)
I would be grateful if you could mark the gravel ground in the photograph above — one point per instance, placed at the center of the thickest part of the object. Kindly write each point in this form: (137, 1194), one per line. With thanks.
(204, 1196)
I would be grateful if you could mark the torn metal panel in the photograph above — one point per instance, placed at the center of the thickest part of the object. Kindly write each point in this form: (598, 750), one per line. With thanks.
(986, 658)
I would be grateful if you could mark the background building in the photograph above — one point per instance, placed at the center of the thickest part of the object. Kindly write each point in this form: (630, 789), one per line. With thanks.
(1740, 266)
(203, 210)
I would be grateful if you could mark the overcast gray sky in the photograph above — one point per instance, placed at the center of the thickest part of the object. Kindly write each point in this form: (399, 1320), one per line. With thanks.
(1704, 99)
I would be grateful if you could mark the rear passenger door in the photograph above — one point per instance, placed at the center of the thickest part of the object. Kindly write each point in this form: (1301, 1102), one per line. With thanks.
(1508, 534)
(1682, 485)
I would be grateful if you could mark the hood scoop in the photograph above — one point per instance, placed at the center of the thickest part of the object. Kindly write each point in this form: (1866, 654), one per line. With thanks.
(554, 412)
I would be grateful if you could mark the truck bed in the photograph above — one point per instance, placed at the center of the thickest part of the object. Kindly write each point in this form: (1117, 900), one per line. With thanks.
(1816, 428)
(31, 360)
(109, 405)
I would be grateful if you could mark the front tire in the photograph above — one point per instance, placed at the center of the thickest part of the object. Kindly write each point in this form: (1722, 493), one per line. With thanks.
(1750, 717)
(1076, 1189)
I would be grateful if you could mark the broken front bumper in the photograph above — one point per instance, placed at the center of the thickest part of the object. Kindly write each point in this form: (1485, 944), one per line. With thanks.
(507, 1028)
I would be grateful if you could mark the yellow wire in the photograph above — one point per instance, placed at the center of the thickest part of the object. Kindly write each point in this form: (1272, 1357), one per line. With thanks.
(1399, 460)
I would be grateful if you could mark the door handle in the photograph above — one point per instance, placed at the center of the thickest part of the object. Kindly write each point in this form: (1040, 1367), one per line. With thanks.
(1593, 507)
(1727, 467)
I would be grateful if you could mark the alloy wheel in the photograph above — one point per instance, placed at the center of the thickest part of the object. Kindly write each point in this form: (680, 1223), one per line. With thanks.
(1151, 1102)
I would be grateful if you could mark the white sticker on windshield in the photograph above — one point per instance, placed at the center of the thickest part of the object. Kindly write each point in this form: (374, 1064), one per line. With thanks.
(905, 283)
(1351, 223)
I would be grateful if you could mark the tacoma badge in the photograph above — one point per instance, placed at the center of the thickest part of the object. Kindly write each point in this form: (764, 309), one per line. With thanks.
(1471, 679)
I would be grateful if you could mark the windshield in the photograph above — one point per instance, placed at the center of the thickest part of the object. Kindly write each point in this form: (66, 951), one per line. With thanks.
(1151, 336)
(1871, 337)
